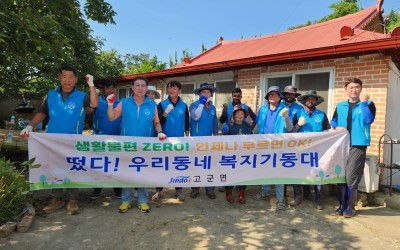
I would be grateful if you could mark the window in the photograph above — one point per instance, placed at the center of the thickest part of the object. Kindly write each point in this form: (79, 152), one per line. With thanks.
(187, 94)
(124, 92)
(223, 95)
(319, 80)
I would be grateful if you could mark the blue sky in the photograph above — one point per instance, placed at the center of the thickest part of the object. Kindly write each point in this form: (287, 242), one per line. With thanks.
(161, 27)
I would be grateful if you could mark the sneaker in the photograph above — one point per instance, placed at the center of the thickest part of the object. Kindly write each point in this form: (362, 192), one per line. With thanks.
(95, 194)
(211, 195)
(194, 193)
(124, 207)
(156, 196)
(281, 205)
(54, 205)
(72, 207)
(144, 207)
(179, 195)
(261, 196)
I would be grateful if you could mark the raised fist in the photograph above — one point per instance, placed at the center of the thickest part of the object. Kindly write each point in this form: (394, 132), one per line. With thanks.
(364, 96)
(284, 112)
(203, 100)
(111, 99)
(161, 136)
(89, 80)
(169, 108)
(302, 121)
(225, 106)
(25, 132)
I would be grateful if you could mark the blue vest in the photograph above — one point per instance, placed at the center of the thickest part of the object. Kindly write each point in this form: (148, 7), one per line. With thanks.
(279, 123)
(101, 124)
(204, 126)
(66, 117)
(295, 108)
(313, 123)
(174, 125)
(137, 121)
(230, 110)
(360, 132)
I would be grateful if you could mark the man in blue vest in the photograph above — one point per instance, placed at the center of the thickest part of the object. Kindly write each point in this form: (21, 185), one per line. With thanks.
(174, 119)
(227, 108)
(139, 114)
(203, 122)
(356, 116)
(274, 117)
(65, 106)
(101, 124)
(309, 119)
(289, 98)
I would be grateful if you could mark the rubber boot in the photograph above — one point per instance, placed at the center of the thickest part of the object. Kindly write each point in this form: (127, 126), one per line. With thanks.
(351, 201)
(307, 192)
(296, 196)
(242, 200)
(228, 194)
(318, 204)
(342, 192)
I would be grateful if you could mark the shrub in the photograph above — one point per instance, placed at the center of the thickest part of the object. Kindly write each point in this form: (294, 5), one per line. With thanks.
(14, 186)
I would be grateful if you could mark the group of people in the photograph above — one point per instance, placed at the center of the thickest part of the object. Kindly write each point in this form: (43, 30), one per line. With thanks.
(140, 115)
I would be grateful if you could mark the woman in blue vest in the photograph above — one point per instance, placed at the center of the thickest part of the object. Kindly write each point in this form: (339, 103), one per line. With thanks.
(356, 116)
(309, 119)
(139, 114)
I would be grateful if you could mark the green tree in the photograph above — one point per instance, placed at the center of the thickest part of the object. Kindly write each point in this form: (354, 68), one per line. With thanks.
(393, 20)
(142, 63)
(109, 64)
(185, 53)
(341, 8)
(38, 36)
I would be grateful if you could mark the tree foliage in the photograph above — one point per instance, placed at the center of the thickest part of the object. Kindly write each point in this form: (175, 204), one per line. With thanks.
(38, 36)
(392, 20)
(341, 8)
(141, 63)
(110, 64)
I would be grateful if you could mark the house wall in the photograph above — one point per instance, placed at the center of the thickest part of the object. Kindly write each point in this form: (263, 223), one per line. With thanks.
(376, 72)
(373, 70)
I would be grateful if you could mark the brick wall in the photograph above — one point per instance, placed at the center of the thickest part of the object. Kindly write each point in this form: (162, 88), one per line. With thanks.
(373, 70)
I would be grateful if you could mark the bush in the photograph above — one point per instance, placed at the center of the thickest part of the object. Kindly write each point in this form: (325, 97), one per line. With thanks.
(14, 186)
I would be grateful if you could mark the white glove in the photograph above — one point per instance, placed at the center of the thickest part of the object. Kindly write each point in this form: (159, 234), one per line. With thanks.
(284, 112)
(25, 132)
(89, 80)
(162, 136)
(169, 108)
(209, 99)
(111, 99)
(302, 121)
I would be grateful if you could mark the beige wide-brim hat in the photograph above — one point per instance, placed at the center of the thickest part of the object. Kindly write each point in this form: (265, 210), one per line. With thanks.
(152, 88)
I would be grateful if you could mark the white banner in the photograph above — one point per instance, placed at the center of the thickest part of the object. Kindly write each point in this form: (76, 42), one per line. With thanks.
(87, 161)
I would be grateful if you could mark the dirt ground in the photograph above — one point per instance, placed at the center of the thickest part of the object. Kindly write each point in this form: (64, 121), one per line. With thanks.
(206, 224)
